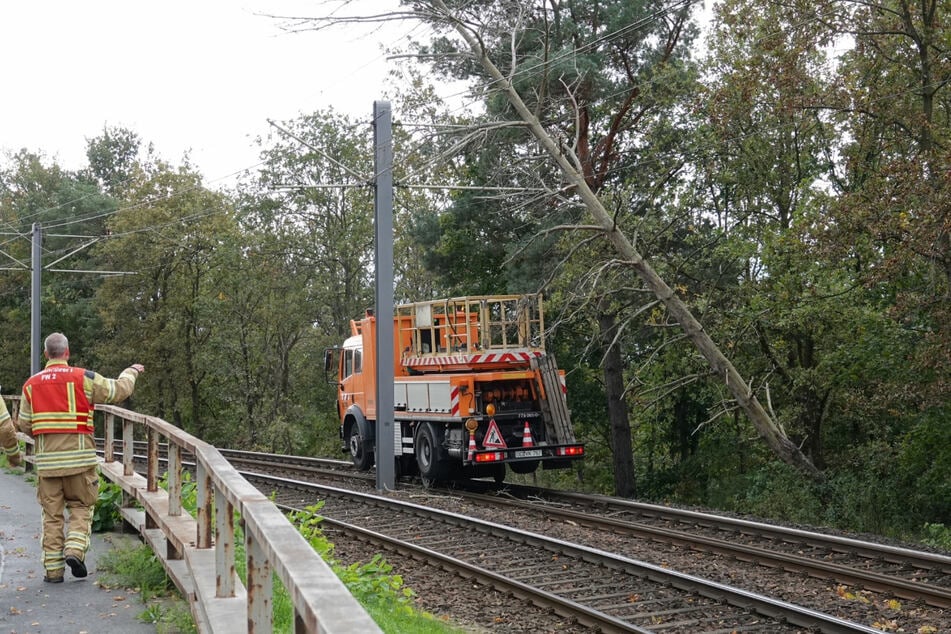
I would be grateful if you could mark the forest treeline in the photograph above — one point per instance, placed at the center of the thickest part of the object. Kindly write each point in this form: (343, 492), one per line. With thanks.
(783, 172)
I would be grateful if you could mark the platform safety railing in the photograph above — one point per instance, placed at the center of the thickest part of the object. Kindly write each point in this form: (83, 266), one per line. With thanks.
(199, 553)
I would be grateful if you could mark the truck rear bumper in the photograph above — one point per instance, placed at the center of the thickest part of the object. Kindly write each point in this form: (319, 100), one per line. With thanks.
(544, 453)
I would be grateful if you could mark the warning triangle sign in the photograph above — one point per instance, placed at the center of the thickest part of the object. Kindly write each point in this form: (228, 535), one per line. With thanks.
(493, 437)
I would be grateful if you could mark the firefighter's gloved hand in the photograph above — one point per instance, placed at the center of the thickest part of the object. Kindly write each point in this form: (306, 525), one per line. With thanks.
(15, 459)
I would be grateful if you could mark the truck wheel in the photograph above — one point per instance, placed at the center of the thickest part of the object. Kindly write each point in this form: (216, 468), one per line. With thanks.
(361, 452)
(431, 469)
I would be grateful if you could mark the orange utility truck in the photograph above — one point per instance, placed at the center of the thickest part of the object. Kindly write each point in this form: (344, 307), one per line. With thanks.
(474, 390)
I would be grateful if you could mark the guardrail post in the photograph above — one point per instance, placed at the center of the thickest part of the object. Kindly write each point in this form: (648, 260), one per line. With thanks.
(128, 448)
(151, 473)
(128, 457)
(224, 546)
(28, 449)
(260, 587)
(204, 503)
(28, 457)
(174, 479)
(109, 450)
(153, 459)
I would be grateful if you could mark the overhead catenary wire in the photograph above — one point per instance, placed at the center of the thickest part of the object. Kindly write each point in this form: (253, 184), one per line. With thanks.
(414, 15)
(405, 183)
(143, 203)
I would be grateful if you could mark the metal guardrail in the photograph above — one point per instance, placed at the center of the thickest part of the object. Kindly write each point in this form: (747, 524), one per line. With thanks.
(199, 553)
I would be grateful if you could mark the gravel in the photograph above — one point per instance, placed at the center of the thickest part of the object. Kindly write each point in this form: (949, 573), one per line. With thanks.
(476, 608)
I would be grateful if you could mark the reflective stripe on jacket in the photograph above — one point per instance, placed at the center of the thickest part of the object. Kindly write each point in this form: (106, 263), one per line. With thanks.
(59, 402)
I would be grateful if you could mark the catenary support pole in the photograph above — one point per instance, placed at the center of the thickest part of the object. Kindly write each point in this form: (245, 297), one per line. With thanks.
(36, 348)
(383, 172)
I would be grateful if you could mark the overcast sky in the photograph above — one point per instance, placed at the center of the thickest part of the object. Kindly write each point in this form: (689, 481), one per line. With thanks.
(199, 75)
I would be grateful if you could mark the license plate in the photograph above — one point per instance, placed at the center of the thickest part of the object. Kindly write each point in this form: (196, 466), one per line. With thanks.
(528, 453)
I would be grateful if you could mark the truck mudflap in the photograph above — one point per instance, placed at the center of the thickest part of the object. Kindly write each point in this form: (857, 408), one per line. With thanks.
(545, 453)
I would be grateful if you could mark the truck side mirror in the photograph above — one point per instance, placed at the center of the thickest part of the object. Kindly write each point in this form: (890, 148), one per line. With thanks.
(330, 366)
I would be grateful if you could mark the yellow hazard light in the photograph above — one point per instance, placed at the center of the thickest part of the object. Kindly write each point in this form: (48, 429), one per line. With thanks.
(490, 409)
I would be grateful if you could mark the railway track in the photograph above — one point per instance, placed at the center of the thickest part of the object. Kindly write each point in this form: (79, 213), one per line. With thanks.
(593, 587)
(919, 578)
(901, 572)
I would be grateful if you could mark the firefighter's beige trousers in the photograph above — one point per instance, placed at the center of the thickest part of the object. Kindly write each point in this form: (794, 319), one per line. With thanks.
(77, 493)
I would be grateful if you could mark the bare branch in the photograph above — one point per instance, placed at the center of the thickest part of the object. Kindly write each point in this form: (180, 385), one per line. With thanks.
(669, 388)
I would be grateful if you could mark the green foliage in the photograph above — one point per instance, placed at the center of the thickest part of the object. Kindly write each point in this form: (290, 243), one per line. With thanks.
(923, 463)
(169, 617)
(135, 567)
(398, 623)
(774, 491)
(371, 583)
(937, 535)
(37, 192)
(189, 492)
(860, 497)
(106, 512)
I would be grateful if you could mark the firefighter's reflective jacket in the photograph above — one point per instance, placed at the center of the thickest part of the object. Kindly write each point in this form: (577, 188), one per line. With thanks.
(57, 410)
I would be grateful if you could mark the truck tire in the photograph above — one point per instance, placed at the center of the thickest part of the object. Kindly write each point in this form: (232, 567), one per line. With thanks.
(432, 469)
(361, 448)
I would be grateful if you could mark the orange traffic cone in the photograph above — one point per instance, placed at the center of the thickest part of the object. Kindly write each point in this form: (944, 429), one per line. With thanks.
(527, 440)
(472, 445)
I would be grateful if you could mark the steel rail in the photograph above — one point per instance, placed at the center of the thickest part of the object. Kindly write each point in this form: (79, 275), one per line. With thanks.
(772, 608)
(543, 599)
(894, 554)
(932, 595)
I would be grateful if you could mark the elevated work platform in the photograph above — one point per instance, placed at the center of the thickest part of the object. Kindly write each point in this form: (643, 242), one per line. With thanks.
(475, 332)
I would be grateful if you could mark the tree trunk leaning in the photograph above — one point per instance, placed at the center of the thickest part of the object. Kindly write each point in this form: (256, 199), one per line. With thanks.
(767, 428)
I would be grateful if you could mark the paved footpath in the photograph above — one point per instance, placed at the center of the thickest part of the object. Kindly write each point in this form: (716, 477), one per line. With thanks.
(28, 605)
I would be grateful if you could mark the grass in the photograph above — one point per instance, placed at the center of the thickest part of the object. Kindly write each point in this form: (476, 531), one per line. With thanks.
(403, 624)
(138, 570)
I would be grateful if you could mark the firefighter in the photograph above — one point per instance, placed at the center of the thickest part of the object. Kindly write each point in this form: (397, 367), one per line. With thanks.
(57, 410)
(8, 436)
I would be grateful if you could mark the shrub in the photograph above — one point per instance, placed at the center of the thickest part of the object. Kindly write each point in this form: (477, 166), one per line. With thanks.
(106, 512)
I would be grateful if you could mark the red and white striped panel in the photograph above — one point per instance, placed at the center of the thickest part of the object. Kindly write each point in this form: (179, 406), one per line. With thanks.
(454, 401)
(474, 359)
